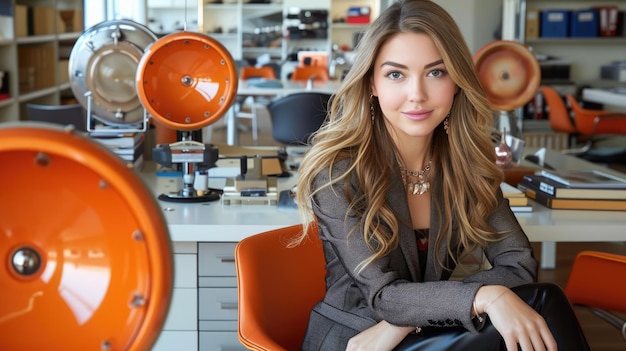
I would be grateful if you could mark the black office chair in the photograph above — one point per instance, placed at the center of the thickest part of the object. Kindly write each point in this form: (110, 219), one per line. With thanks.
(73, 114)
(296, 116)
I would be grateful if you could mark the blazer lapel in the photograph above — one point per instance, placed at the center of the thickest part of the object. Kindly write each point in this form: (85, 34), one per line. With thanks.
(396, 198)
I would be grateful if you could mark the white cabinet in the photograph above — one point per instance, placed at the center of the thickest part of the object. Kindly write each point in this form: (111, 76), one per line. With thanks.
(217, 297)
(35, 40)
(180, 331)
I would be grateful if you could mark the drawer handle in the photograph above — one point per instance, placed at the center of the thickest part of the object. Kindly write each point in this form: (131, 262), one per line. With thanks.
(228, 305)
(227, 260)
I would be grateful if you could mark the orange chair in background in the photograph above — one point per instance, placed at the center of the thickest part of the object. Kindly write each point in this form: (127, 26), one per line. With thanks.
(560, 119)
(558, 113)
(318, 73)
(248, 72)
(594, 122)
(277, 287)
(597, 281)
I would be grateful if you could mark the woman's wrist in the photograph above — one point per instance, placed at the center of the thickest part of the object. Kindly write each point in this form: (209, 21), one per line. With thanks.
(486, 296)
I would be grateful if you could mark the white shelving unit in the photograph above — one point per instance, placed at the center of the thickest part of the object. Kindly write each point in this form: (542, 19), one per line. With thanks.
(34, 54)
(247, 30)
(587, 55)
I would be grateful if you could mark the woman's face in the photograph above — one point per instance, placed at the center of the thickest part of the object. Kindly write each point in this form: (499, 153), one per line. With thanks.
(414, 89)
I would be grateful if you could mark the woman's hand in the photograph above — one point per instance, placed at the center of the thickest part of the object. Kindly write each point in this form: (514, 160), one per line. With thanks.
(382, 336)
(517, 322)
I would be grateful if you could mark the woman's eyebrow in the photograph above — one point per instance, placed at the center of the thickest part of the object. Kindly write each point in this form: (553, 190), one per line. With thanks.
(399, 65)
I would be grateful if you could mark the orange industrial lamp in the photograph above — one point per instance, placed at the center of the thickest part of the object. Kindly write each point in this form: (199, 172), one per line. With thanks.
(186, 81)
(86, 255)
(510, 75)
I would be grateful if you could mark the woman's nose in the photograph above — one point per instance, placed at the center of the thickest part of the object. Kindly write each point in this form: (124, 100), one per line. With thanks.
(417, 90)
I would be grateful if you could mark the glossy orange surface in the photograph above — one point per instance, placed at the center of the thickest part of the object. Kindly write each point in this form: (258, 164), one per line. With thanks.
(105, 273)
(509, 73)
(186, 80)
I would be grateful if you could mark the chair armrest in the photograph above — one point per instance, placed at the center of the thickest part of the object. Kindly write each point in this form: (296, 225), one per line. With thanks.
(618, 127)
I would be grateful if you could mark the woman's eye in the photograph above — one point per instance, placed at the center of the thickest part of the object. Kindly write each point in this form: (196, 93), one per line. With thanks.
(394, 75)
(437, 73)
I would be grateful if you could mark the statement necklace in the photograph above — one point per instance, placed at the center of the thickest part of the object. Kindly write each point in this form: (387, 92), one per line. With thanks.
(416, 183)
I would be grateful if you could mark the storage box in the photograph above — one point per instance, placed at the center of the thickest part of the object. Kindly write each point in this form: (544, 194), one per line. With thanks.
(607, 20)
(615, 71)
(555, 69)
(358, 15)
(555, 23)
(533, 23)
(584, 23)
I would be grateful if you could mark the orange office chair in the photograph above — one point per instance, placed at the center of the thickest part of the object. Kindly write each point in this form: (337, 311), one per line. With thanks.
(592, 283)
(558, 113)
(277, 287)
(248, 72)
(594, 122)
(319, 73)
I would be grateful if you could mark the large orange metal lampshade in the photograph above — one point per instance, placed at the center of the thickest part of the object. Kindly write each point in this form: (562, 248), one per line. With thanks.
(186, 80)
(509, 73)
(86, 255)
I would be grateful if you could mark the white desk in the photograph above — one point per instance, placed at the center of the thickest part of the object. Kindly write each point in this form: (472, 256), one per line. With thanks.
(203, 312)
(606, 96)
(288, 87)
(215, 222)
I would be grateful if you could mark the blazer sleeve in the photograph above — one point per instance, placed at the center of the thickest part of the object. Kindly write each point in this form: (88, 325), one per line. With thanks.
(511, 258)
(384, 289)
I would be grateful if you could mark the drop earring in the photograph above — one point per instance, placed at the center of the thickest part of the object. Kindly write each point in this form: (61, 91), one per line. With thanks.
(446, 123)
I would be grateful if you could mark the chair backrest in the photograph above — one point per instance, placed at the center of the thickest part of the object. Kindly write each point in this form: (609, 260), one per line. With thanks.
(296, 116)
(73, 114)
(248, 72)
(596, 281)
(585, 117)
(305, 72)
(558, 113)
(277, 287)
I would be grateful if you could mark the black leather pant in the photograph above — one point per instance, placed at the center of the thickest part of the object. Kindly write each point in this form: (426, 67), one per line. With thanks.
(547, 299)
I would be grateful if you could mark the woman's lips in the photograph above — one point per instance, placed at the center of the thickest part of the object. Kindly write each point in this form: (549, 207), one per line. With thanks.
(417, 115)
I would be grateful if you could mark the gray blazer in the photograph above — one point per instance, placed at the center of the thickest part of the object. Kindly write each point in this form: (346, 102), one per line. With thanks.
(393, 288)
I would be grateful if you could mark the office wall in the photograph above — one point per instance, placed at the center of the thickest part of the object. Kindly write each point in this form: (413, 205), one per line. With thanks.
(478, 19)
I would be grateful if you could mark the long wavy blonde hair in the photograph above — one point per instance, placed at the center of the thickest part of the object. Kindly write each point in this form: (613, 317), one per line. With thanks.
(464, 157)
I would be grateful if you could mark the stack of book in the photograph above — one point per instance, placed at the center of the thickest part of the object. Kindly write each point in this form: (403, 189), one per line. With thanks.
(129, 147)
(517, 199)
(576, 190)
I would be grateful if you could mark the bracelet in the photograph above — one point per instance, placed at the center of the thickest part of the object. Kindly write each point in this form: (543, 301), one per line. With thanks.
(494, 300)
(476, 314)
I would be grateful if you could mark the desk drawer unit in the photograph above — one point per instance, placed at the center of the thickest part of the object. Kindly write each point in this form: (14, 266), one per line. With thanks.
(180, 331)
(217, 297)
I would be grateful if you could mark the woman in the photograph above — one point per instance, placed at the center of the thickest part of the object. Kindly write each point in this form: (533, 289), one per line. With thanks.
(402, 184)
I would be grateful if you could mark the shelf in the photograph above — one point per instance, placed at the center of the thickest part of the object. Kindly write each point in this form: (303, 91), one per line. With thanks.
(34, 50)
(6, 102)
(36, 39)
(37, 94)
(579, 41)
(351, 26)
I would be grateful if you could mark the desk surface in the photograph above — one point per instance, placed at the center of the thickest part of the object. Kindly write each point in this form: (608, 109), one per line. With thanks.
(214, 222)
(606, 96)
